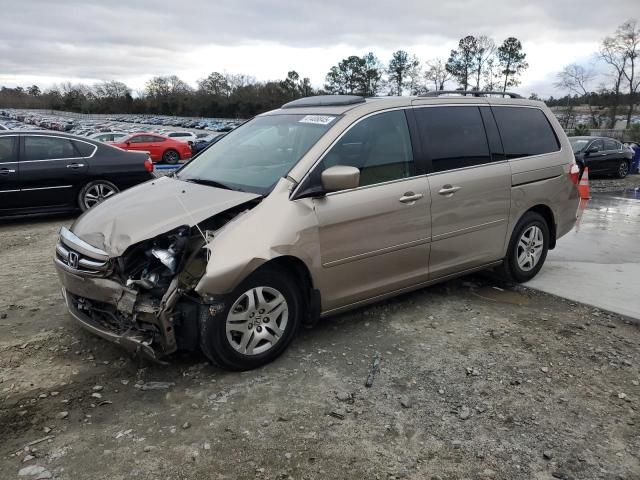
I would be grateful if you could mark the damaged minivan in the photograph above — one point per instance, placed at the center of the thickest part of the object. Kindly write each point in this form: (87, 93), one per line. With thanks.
(324, 205)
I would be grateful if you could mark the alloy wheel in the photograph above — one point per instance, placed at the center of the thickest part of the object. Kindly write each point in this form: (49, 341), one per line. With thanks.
(623, 169)
(257, 320)
(98, 193)
(530, 248)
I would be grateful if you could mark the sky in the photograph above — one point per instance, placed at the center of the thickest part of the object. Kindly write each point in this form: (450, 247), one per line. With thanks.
(51, 41)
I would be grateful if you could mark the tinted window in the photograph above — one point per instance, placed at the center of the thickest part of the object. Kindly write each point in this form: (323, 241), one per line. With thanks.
(380, 146)
(525, 131)
(7, 151)
(138, 139)
(45, 148)
(453, 136)
(598, 145)
(153, 139)
(610, 144)
(85, 149)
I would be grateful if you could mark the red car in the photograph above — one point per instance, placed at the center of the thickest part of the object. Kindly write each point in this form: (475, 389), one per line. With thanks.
(161, 149)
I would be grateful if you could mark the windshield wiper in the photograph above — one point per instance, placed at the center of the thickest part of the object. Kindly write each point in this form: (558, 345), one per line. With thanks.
(206, 181)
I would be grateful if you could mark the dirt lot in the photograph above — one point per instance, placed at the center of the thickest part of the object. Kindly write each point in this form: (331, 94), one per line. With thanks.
(477, 380)
(607, 184)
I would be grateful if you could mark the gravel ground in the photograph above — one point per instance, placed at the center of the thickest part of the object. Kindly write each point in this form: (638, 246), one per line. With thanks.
(477, 380)
(630, 182)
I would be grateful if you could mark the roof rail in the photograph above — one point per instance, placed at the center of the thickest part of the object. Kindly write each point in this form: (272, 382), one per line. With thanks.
(325, 101)
(473, 93)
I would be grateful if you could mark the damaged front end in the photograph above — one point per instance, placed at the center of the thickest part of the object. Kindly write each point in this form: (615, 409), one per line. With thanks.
(144, 299)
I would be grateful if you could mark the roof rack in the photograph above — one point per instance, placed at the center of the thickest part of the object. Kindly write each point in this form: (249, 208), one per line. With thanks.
(325, 101)
(473, 93)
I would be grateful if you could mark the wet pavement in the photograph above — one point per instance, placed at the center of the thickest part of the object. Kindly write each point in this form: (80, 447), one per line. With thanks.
(598, 263)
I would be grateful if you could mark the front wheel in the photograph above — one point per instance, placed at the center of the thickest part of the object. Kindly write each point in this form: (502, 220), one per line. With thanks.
(259, 321)
(95, 192)
(623, 169)
(527, 248)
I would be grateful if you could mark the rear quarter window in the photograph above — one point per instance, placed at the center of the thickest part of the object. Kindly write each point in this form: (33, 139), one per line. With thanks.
(525, 131)
(85, 149)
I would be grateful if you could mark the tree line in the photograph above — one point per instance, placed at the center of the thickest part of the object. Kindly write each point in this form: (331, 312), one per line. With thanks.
(605, 95)
(477, 64)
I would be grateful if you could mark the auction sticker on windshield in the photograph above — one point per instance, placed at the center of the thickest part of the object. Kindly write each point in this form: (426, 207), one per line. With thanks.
(317, 119)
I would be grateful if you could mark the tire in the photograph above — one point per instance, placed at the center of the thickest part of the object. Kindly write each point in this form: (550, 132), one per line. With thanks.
(95, 192)
(171, 157)
(531, 228)
(623, 169)
(252, 327)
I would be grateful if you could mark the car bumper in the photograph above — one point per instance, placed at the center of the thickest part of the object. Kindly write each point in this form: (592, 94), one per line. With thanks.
(80, 290)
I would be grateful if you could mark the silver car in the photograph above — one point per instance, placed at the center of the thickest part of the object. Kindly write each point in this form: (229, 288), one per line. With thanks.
(324, 205)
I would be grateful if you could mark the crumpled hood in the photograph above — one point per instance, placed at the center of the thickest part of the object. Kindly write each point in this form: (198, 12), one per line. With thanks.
(150, 209)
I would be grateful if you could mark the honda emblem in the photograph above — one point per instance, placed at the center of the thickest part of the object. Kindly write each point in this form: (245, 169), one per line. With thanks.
(73, 260)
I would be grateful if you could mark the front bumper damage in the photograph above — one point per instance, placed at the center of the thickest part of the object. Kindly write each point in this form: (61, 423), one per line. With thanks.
(139, 323)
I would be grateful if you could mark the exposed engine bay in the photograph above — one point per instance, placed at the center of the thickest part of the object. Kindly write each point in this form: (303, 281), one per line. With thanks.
(146, 296)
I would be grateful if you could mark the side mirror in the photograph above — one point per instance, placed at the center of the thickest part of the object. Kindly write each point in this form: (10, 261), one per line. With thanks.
(340, 177)
(593, 149)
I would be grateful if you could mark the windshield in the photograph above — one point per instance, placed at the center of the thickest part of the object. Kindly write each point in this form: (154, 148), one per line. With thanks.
(578, 144)
(256, 155)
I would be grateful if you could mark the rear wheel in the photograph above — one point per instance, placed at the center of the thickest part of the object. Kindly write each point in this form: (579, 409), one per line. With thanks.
(623, 169)
(528, 248)
(171, 157)
(259, 321)
(95, 192)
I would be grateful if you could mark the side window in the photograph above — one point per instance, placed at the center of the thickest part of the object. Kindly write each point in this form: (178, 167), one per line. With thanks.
(598, 145)
(7, 149)
(610, 144)
(84, 149)
(152, 139)
(525, 131)
(454, 137)
(138, 139)
(380, 146)
(47, 148)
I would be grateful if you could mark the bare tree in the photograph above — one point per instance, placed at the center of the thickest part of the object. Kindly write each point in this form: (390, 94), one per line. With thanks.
(576, 79)
(628, 35)
(437, 73)
(485, 51)
(613, 54)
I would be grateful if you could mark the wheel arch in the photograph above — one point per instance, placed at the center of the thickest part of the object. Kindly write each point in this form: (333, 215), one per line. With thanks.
(301, 274)
(546, 213)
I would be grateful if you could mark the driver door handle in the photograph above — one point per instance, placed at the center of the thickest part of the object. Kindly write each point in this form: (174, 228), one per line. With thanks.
(6, 171)
(411, 197)
(75, 165)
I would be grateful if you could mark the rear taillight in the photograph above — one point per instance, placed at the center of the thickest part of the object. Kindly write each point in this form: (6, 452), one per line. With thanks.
(148, 165)
(574, 173)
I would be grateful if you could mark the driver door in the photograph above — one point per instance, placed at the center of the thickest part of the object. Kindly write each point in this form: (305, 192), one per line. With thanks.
(373, 239)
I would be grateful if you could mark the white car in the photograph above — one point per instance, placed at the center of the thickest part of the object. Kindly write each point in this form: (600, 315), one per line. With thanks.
(108, 136)
(186, 137)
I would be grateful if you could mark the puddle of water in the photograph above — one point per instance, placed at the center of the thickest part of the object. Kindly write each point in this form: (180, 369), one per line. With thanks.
(501, 295)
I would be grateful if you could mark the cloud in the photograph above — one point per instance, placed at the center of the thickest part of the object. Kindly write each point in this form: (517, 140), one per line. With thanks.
(93, 39)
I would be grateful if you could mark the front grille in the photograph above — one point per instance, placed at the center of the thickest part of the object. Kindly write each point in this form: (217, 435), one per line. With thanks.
(76, 255)
(76, 261)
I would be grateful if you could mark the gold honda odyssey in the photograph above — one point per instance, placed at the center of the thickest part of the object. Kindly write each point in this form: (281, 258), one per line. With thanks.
(324, 205)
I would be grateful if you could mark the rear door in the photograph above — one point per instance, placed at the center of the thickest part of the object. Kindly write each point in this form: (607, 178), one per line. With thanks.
(51, 169)
(470, 185)
(613, 154)
(9, 174)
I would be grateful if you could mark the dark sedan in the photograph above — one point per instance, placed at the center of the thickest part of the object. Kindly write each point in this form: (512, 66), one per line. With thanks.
(603, 156)
(51, 172)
